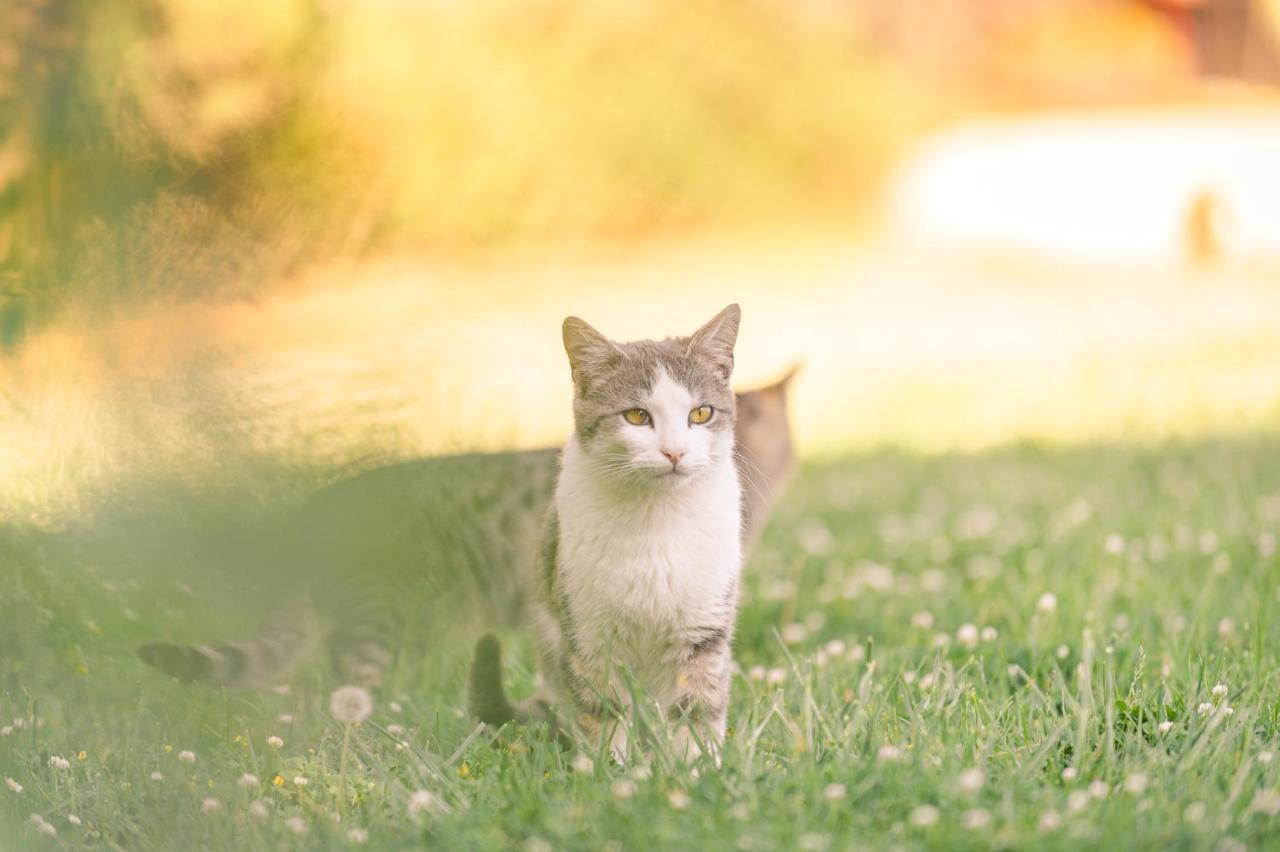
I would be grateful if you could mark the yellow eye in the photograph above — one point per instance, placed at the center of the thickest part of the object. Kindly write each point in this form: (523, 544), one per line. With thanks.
(636, 416)
(701, 414)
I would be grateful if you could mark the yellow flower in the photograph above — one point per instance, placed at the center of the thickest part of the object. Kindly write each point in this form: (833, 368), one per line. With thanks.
(168, 748)
(464, 771)
(82, 670)
(82, 756)
(278, 780)
(240, 739)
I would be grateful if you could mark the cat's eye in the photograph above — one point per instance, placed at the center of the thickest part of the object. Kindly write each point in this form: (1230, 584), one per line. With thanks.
(701, 414)
(636, 416)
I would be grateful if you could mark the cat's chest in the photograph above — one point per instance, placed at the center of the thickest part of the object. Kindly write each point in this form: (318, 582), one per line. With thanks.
(663, 569)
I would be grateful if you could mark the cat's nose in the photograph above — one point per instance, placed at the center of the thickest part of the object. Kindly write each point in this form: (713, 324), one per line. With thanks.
(674, 458)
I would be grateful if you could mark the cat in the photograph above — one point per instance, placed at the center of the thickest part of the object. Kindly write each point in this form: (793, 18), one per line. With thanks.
(638, 571)
(364, 562)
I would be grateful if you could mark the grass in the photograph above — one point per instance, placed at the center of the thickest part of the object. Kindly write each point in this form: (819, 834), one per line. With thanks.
(1055, 619)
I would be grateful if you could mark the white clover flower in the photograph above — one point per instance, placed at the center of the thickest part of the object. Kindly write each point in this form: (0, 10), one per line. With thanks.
(259, 810)
(1219, 691)
(1136, 784)
(537, 844)
(922, 620)
(794, 634)
(425, 800)
(834, 792)
(1165, 726)
(1227, 710)
(73, 819)
(1050, 821)
(350, 704)
(641, 772)
(927, 681)
(889, 753)
(13, 785)
(1266, 802)
(908, 677)
(187, 756)
(972, 779)
(941, 640)
(1205, 708)
(395, 730)
(1063, 652)
(967, 636)
(281, 689)
(358, 836)
(776, 677)
(6, 730)
(1114, 544)
(1046, 605)
(756, 672)
(1265, 757)
(57, 761)
(1077, 800)
(989, 634)
(210, 805)
(813, 842)
(156, 776)
(923, 816)
(583, 764)
(1099, 789)
(624, 788)
(300, 781)
(857, 653)
(285, 718)
(46, 829)
(248, 781)
(679, 799)
(976, 819)
(275, 742)
(1194, 812)
(394, 706)
(835, 648)
(296, 824)
(1070, 773)
(1226, 627)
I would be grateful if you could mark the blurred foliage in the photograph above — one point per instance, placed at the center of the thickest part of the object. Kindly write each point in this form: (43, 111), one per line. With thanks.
(171, 148)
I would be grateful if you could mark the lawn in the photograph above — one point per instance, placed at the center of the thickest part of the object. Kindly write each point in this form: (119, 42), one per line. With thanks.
(1022, 647)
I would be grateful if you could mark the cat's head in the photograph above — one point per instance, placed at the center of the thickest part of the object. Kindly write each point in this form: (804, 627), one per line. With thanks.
(654, 412)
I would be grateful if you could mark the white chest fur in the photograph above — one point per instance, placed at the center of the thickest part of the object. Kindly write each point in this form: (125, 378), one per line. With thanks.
(641, 572)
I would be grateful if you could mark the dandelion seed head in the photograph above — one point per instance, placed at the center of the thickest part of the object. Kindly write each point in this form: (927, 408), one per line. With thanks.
(350, 704)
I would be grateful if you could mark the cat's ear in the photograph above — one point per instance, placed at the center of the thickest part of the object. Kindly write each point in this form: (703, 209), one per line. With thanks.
(715, 339)
(590, 352)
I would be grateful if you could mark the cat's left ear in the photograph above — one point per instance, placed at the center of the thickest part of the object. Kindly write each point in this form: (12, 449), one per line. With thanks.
(716, 339)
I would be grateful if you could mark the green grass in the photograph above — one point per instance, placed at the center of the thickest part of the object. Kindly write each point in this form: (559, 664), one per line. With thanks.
(1159, 557)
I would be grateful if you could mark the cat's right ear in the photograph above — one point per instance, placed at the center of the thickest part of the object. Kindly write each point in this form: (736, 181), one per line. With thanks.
(590, 352)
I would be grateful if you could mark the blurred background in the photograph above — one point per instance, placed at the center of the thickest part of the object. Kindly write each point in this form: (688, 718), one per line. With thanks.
(317, 232)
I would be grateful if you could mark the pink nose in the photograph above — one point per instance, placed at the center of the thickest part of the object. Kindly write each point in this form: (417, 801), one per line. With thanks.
(674, 458)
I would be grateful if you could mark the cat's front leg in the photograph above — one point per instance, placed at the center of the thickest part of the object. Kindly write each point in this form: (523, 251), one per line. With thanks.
(699, 714)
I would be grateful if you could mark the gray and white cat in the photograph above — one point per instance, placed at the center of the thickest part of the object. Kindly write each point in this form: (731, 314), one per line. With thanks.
(641, 556)
(388, 562)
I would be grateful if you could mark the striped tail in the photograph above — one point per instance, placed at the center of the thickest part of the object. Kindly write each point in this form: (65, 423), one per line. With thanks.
(263, 661)
(488, 700)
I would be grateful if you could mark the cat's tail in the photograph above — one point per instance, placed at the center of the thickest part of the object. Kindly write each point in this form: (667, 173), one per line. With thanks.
(262, 661)
(487, 698)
